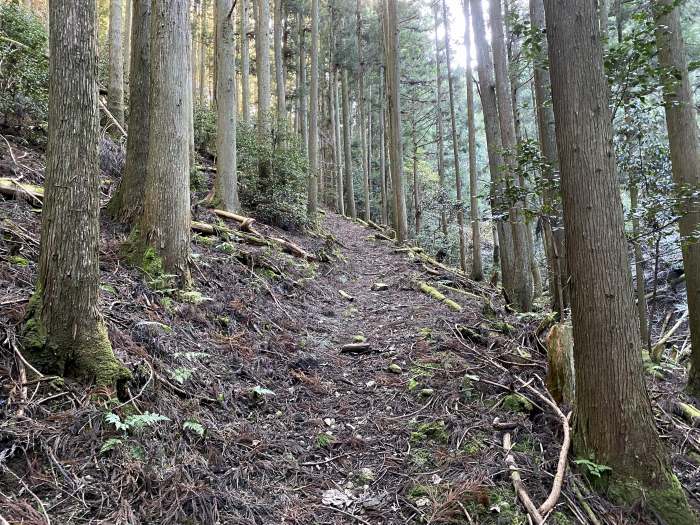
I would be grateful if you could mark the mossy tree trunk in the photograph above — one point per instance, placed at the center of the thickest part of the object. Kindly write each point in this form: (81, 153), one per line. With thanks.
(226, 183)
(681, 120)
(115, 91)
(162, 237)
(65, 333)
(126, 204)
(614, 423)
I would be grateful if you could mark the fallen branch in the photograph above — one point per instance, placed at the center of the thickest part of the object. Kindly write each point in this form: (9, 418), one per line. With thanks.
(16, 189)
(518, 482)
(432, 292)
(658, 347)
(111, 117)
(355, 348)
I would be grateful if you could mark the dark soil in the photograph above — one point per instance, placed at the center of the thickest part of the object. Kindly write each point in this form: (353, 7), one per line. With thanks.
(269, 422)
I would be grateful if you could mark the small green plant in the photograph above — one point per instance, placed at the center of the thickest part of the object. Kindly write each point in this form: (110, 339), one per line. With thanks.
(129, 425)
(194, 426)
(181, 374)
(592, 468)
(324, 440)
(433, 431)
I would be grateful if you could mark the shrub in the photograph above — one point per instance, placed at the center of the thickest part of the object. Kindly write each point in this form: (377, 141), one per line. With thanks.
(204, 130)
(23, 67)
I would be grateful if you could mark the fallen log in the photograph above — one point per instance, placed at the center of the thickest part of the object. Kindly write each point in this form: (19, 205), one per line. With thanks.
(245, 222)
(16, 189)
(657, 349)
(435, 294)
(355, 348)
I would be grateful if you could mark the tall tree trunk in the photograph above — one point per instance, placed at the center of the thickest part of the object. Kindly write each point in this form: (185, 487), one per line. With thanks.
(348, 191)
(226, 182)
(414, 162)
(262, 38)
(163, 234)
(438, 119)
(126, 205)
(503, 238)
(553, 225)
(115, 91)
(245, 62)
(338, 144)
(64, 333)
(335, 147)
(477, 272)
(455, 144)
(203, 40)
(369, 150)
(363, 113)
(382, 151)
(312, 181)
(518, 282)
(603, 13)
(639, 265)
(194, 49)
(301, 83)
(391, 35)
(127, 43)
(614, 422)
(681, 120)
(279, 66)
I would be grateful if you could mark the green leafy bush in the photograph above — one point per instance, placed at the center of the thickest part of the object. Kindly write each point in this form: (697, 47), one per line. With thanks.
(23, 67)
(204, 130)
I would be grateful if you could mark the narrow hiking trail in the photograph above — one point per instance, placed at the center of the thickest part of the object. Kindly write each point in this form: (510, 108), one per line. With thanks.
(269, 422)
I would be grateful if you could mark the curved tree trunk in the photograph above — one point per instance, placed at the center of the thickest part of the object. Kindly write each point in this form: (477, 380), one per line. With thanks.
(226, 182)
(163, 242)
(312, 181)
(65, 333)
(681, 120)
(348, 191)
(245, 63)
(126, 205)
(614, 422)
(115, 91)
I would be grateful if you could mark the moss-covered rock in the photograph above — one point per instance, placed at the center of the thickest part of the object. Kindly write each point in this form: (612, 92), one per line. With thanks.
(517, 403)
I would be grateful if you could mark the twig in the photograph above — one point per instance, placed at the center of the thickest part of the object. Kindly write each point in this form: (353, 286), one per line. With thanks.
(26, 487)
(327, 460)
(518, 484)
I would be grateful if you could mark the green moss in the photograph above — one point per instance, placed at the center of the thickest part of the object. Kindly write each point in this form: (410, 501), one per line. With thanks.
(191, 296)
(433, 431)
(89, 357)
(668, 501)
(502, 509)
(420, 457)
(324, 440)
(474, 445)
(19, 261)
(422, 491)
(561, 519)
(503, 327)
(525, 445)
(467, 388)
(517, 403)
(203, 240)
(226, 247)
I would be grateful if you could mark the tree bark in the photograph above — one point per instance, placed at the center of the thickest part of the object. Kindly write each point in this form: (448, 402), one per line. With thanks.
(391, 35)
(203, 38)
(363, 113)
(552, 216)
(163, 235)
(477, 272)
(382, 152)
(127, 43)
(416, 190)
(439, 123)
(301, 83)
(340, 201)
(681, 121)
(64, 333)
(517, 277)
(614, 422)
(503, 238)
(348, 191)
(455, 144)
(245, 63)
(279, 67)
(262, 42)
(226, 182)
(312, 181)
(115, 91)
(126, 205)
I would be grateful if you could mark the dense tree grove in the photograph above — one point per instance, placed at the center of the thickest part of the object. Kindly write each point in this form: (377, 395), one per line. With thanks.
(547, 146)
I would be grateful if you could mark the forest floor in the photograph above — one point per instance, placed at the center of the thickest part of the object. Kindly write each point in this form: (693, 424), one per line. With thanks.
(269, 421)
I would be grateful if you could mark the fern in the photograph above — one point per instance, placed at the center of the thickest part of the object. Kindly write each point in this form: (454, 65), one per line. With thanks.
(194, 426)
(147, 419)
(116, 421)
(110, 444)
(181, 374)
